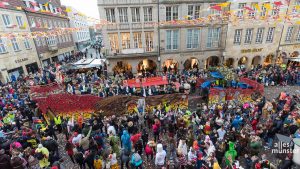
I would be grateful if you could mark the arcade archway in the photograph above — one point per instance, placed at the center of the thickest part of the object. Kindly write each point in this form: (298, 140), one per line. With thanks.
(229, 62)
(256, 61)
(146, 65)
(122, 67)
(268, 60)
(243, 62)
(212, 61)
(170, 65)
(191, 63)
(294, 54)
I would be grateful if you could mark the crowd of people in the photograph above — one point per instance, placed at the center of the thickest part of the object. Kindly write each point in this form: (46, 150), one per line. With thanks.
(224, 135)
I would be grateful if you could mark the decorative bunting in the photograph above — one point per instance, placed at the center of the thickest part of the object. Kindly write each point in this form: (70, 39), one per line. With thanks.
(216, 7)
(248, 8)
(224, 5)
(278, 3)
(256, 6)
(267, 6)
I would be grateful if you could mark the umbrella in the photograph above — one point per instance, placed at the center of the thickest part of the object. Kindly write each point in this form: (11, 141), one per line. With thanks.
(206, 84)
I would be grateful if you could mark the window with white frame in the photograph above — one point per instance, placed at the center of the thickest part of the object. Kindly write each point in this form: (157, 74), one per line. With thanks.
(2, 46)
(289, 34)
(19, 20)
(172, 39)
(15, 44)
(113, 41)
(32, 22)
(38, 41)
(50, 23)
(39, 22)
(295, 9)
(110, 15)
(254, 10)
(135, 13)
(149, 41)
(248, 36)
(52, 40)
(171, 13)
(193, 38)
(264, 9)
(27, 43)
(125, 37)
(43, 41)
(137, 39)
(270, 35)
(213, 38)
(237, 36)
(241, 10)
(6, 20)
(298, 36)
(148, 14)
(123, 16)
(259, 35)
(275, 10)
(194, 11)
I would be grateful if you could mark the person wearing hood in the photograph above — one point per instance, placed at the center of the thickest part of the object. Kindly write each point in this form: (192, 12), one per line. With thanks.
(43, 161)
(160, 156)
(125, 138)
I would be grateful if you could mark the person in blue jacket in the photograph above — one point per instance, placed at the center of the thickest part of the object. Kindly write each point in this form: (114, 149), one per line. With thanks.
(136, 160)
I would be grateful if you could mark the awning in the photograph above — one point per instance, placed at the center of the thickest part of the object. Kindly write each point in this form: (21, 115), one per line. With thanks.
(295, 59)
(83, 62)
(89, 63)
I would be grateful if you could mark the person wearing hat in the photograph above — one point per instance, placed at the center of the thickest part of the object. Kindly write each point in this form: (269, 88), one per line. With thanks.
(4, 160)
(44, 153)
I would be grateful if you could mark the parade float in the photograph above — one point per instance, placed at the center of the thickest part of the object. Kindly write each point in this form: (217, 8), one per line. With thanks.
(224, 85)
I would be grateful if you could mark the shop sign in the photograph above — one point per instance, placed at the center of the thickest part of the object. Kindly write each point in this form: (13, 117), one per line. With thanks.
(251, 50)
(21, 60)
(296, 46)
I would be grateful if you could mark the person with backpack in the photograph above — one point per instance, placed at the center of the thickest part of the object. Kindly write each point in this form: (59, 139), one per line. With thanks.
(136, 160)
(42, 154)
(98, 162)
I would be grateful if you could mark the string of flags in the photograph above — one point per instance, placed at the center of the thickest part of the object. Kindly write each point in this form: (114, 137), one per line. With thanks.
(224, 15)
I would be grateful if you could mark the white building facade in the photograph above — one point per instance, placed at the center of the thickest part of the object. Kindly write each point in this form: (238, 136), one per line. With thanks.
(78, 20)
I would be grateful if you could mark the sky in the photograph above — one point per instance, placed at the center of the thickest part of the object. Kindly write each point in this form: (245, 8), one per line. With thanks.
(88, 7)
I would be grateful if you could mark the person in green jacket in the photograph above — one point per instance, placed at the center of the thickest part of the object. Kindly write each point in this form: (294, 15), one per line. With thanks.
(231, 154)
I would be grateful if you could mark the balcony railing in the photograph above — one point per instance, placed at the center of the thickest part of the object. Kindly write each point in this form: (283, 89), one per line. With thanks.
(124, 26)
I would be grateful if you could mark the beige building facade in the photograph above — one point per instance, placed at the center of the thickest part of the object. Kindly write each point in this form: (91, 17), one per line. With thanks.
(18, 55)
(133, 37)
(253, 40)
